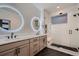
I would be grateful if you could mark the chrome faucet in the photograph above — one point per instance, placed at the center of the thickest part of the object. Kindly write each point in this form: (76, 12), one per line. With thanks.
(11, 36)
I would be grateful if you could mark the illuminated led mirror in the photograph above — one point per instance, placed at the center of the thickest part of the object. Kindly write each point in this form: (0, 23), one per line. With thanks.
(35, 24)
(11, 20)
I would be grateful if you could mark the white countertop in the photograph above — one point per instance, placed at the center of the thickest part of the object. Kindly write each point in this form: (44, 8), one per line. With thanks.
(5, 41)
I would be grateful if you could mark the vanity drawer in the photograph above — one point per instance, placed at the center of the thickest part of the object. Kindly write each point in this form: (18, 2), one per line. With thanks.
(34, 48)
(8, 46)
(43, 42)
(34, 39)
(8, 53)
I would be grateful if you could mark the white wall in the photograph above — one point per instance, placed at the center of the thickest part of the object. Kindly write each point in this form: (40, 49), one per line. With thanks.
(59, 33)
(28, 10)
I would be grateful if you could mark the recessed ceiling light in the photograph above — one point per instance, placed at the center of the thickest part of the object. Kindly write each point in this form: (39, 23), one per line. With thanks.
(58, 7)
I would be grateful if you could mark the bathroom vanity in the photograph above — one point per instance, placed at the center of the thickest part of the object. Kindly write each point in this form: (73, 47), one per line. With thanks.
(28, 45)
(23, 47)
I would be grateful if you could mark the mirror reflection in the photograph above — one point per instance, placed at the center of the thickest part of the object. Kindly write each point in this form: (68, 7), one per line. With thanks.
(36, 24)
(9, 19)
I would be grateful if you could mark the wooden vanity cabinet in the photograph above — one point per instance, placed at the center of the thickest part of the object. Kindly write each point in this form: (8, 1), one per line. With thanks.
(25, 47)
(45, 41)
(15, 49)
(37, 44)
(23, 50)
(18, 51)
(8, 53)
(34, 46)
(42, 42)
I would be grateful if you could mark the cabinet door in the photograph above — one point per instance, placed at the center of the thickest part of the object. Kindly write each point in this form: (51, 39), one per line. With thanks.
(23, 50)
(45, 41)
(31, 49)
(8, 53)
(41, 43)
(34, 48)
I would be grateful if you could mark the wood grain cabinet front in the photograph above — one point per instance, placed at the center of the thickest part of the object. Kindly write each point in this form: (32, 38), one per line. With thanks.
(8, 53)
(25, 47)
(15, 49)
(34, 47)
(23, 50)
(45, 41)
(18, 51)
(42, 42)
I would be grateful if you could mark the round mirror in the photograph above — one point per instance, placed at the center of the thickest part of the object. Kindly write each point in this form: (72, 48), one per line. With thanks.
(11, 20)
(35, 24)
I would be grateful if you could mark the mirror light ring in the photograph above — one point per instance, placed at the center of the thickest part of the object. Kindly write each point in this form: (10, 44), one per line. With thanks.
(20, 15)
(32, 24)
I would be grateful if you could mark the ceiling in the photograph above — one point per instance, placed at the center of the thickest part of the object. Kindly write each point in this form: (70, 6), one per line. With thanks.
(52, 7)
